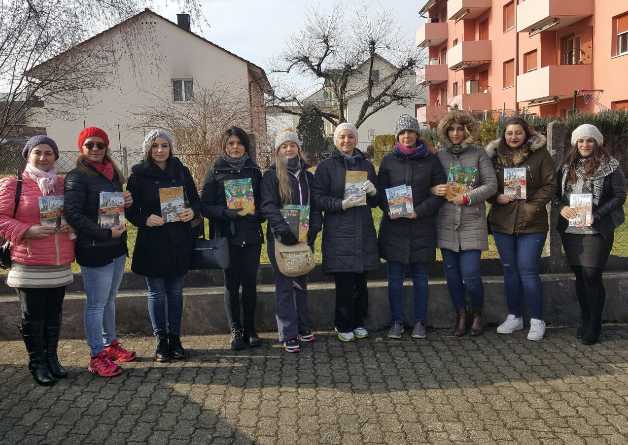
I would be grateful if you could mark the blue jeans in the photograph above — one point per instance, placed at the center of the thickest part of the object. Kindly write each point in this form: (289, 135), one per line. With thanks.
(396, 274)
(158, 289)
(101, 287)
(520, 255)
(462, 270)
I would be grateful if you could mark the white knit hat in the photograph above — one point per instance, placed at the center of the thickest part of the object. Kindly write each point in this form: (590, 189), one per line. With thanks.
(346, 126)
(287, 136)
(154, 134)
(587, 130)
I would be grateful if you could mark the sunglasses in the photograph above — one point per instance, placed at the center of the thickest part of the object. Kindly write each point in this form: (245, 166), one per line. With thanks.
(99, 145)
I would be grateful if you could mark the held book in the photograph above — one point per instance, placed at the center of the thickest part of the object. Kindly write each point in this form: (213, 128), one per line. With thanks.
(515, 182)
(304, 220)
(172, 203)
(51, 212)
(111, 211)
(400, 201)
(354, 181)
(239, 195)
(460, 180)
(583, 205)
(292, 218)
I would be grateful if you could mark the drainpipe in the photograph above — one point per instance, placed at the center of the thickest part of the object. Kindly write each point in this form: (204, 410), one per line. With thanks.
(516, 57)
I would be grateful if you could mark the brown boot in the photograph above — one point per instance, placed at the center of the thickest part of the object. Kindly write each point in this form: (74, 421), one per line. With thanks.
(478, 323)
(461, 322)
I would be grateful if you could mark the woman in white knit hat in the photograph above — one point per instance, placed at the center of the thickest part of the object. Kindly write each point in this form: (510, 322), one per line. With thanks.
(591, 172)
(349, 239)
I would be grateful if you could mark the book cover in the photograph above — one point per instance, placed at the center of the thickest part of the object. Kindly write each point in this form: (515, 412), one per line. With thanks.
(51, 212)
(400, 201)
(239, 195)
(515, 182)
(583, 205)
(111, 211)
(354, 181)
(292, 218)
(172, 203)
(460, 180)
(304, 220)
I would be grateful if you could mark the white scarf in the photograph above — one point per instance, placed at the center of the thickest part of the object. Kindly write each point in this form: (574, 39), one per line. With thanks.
(47, 181)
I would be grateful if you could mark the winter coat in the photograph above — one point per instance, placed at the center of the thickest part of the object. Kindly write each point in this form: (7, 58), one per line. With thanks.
(94, 245)
(529, 215)
(349, 239)
(271, 202)
(608, 214)
(405, 240)
(54, 250)
(161, 251)
(244, 229)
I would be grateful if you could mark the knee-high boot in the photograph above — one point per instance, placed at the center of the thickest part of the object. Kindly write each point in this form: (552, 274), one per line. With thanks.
(32, 332)
(596, 306)
(585, 313)
(52, 331)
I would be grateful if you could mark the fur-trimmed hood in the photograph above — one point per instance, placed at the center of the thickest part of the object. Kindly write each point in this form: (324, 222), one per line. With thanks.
(458, 117)
(537, 141)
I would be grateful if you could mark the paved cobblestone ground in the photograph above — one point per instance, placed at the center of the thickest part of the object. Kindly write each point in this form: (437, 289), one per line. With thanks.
(493, 389)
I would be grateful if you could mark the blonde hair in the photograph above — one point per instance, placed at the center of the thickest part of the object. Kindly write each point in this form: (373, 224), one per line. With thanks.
(285, 190)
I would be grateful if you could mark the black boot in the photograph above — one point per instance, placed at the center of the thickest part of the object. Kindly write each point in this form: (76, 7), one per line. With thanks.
(596, 306)
(581, 292)
(176, 349)
(162, 353)
(251, 338)
(237, 342)
(32, 332)
(52, 330)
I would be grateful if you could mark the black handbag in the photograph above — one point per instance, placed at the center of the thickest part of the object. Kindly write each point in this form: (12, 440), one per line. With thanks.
(5, 249)
(210, 253)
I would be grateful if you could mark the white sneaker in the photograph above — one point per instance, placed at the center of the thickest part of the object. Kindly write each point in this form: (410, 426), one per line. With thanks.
(511, 325)
(346, 336)
(537, 329)
(360, 333)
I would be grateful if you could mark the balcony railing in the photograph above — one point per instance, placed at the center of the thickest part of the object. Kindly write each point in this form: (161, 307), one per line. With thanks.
(468, 54)
(466, 9)
(431, 34)
(473, 102)
(430, 113)
(432, 75)
(535, 16)
(554, 82)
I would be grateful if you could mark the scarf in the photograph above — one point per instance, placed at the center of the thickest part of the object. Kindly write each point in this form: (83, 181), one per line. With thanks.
(105, 168)
(236, 164)
(293, 165)
(595, 183)
(420, 151)
(350, 161)
(47, 181)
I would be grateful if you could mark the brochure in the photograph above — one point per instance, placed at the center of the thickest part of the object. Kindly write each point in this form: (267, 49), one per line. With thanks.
(172, 203)
(460, 180)
(354, 181)
(515, 182)
(239, 195)
(583, 205)
(111, 211)
(51, 212)
(400, 202)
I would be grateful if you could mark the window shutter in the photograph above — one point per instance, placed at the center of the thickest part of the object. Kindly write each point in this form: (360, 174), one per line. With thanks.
(622, 23)
(509, 16)
(509, 73)
(531, 60)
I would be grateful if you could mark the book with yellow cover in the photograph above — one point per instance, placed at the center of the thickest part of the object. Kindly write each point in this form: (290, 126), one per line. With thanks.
(354, 181)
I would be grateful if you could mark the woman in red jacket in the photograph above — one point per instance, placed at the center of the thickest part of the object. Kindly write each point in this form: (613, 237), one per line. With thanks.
(41, 254)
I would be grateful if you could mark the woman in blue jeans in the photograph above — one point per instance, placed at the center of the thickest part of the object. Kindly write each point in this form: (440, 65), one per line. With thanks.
(519, 219)
(100, 248)
(164, 244)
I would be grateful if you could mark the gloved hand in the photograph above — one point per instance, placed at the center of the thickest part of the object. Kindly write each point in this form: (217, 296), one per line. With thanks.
(287, 238)
(369, 188)
(230, 214)
(311, 236)
(348, 203)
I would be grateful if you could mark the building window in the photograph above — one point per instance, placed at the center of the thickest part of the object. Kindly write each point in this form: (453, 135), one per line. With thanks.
(443, 56)
(622, 34)
(529, 61)
(570, 46)
(443, 94)
(509, 73)
(455, 88)
(569, 112)
(484, 81)
(509, 16)
(619, 105)
(183, 90)
(483, 31)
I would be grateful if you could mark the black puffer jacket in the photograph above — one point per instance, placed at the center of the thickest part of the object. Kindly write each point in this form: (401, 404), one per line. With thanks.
(94, 245)
(349, 237)
(163, 251)
(244, 229)
(405, 240)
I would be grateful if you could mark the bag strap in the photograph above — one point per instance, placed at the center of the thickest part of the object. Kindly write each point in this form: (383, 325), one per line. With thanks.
(18, 193)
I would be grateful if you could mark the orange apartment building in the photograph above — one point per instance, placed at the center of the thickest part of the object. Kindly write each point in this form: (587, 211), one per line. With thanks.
(526, 55)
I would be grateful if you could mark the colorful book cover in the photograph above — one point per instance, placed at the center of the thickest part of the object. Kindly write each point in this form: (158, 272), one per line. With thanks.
(239, 195)
(292, 218)
(51, 212)
(460, 180)
(172, 203)
(354, 181)
(111, 211)
(583, 205)
(400, 201)
(515, 182)
(304, 220)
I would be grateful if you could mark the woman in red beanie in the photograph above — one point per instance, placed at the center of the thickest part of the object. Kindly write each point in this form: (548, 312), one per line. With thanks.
(100, 248)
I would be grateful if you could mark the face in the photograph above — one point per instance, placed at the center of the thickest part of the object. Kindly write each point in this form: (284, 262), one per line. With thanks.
(94, 149)
(586, 146)
(235, 147)
(288, 150)
(346, 141)
(42, 157)
(160, 150)
(408, 138)
(515, 135)
(456, 133)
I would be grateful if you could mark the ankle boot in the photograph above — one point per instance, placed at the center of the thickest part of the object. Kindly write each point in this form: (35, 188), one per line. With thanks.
(32, 332)
(52, 330)
(478, 323)
(162, 353)
(461, 322)
(176, 349)
(583, 302)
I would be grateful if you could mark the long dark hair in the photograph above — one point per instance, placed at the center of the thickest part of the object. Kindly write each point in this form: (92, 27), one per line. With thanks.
(572, 157)
(507, 155)
(241, 134)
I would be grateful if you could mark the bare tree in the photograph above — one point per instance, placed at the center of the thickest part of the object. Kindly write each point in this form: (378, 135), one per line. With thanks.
(340, 53)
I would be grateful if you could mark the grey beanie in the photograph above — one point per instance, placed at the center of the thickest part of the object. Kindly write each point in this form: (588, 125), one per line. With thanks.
(406, 122)
(38, 140)
(346, 126)
(587, 130)
(287, 135)
(154, 134)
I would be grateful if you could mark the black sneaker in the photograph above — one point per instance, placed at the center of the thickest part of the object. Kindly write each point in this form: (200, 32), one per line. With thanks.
(306, 336)
(291, 345)
(251, 339)
(176, 349)
(237, 342)
(162, 353)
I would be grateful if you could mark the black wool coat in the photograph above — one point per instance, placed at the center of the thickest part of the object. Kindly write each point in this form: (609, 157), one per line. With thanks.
(349, 239)
(164, 251)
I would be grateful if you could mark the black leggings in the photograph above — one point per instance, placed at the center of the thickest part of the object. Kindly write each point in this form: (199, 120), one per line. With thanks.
(41, 304)
(243, 265)
(590, 291)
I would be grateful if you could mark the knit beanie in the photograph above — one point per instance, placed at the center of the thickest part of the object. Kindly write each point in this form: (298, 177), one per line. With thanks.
(287, 135)
(587, 130)
(154, 134)
(88, 133)
(37, 140)
(406, 122)
(346, 126)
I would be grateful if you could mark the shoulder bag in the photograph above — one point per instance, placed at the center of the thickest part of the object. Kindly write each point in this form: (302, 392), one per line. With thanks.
(5, 249)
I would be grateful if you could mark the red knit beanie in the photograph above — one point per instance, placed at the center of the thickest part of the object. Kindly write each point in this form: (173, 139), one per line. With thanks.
(89, 132)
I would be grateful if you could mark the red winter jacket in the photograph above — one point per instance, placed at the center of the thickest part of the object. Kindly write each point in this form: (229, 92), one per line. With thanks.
(54, 250)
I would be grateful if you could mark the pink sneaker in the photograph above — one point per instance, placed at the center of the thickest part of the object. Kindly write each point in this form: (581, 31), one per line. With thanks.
(103, 366)
(118, 354)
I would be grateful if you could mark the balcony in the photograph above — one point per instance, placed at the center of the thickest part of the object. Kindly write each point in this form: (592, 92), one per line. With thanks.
(534, 16)
(431, 34)
(432, 75)
(468, 54)
(553, 82)
(430, 113)
(473, 102)
(466, 9)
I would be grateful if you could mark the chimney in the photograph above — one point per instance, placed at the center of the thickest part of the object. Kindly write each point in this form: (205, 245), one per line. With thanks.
(183, 21)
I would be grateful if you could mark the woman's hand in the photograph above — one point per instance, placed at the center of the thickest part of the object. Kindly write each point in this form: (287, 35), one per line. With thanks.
(458, 199)
(394, 216)
(128, 199)
(439, 190)
(65, 227)
(38, 232)
(413, 216)
(369, 188)
(117, 231)
(503, 199)
(154, 221)
(186, 215)
(568, 213)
